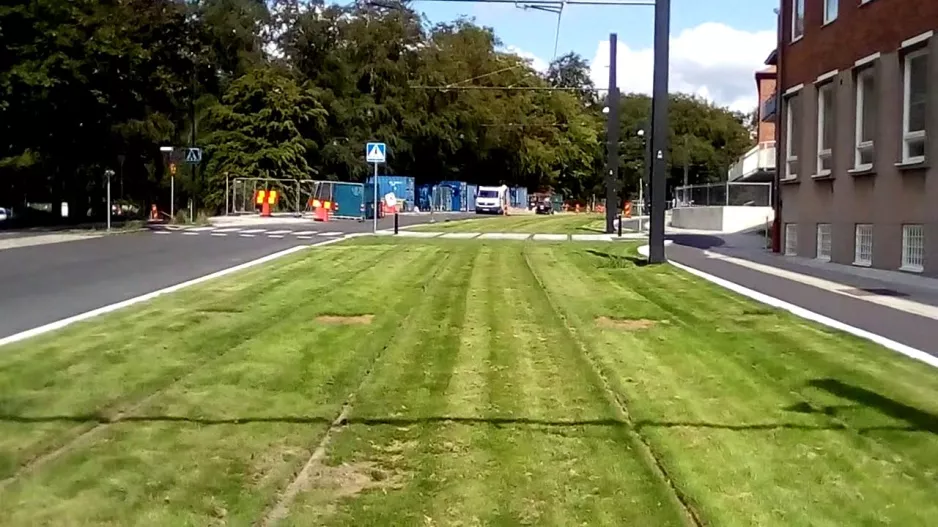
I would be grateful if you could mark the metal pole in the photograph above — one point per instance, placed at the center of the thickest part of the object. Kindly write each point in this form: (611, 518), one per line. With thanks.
(374, 204)
(612, 134)
(108, 174)
(686, 156)
(659, 137)
(172, 197)
(227, 193)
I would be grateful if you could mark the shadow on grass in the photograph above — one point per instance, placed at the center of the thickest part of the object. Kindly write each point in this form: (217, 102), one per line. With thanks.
(918, 420)
(618, 261)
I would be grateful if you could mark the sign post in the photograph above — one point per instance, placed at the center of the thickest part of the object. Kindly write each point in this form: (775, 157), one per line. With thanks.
(375, 153)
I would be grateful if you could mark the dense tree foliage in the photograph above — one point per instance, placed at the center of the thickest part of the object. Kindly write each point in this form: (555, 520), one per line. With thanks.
(293, 89)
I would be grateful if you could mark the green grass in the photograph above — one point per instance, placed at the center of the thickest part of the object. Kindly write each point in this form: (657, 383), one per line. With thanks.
(568, 223)
(483, 392)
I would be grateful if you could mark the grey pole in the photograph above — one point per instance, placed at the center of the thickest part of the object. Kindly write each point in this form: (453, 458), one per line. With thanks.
(374, 204)
(612, 134)
(659, 136)
(108, 174)
(227, 193)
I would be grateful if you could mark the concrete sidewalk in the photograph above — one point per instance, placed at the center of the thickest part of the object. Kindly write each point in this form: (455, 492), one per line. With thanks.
(894, 305)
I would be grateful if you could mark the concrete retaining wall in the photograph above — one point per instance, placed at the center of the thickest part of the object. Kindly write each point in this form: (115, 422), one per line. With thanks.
(721, 219)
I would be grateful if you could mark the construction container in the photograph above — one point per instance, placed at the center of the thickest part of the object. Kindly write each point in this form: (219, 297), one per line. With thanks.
(471, 192)
(460, 199)
(519, 197)
(424, 197)
(443, 198)
(401, 186)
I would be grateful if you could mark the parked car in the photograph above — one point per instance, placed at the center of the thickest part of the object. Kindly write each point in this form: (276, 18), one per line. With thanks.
(544, 206)
(5, 214)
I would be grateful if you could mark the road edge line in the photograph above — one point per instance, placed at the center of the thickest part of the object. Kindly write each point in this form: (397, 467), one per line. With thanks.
(59, 324)
(898, 347)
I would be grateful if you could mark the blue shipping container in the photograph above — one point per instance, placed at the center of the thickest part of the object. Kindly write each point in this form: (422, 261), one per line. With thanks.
(460, 191)
(471, 192)
(424, 195)
(519, 197)
(401, 186)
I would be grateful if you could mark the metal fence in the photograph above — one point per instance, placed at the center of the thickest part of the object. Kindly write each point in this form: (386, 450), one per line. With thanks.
(724, 194)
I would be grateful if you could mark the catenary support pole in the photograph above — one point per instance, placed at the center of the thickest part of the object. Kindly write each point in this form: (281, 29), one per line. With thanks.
(659, 136)
(374, 204)
(612, 135)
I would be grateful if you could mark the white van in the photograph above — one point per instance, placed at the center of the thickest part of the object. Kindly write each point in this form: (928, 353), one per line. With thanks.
(492, 200)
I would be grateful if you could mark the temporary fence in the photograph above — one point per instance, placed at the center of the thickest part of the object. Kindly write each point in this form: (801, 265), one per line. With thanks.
(724, 194)
(240, 194)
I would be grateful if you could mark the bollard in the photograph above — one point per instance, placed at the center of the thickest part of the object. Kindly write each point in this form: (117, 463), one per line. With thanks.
(620, 225)
(395, 223)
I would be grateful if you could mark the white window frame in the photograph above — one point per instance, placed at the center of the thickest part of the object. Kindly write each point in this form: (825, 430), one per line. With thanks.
(823, 115)
(823, 252)
(863, 232)
(797, 11)
(913, 257)
(861, 146)
(831, 14)
(791, 239)
(909, 137)
(791, 159)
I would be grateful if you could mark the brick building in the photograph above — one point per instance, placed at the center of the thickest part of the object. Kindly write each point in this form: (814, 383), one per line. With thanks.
(857, 153)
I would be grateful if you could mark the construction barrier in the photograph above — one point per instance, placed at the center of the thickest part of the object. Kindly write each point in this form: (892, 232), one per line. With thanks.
(266, 198)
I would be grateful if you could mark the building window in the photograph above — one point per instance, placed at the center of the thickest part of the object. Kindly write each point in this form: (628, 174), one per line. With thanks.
(915, 87)
(913, 248)
(791, 239)
(863, 245)
(830, 10)
(792, 135)
(824, 241)
(825, 128)
(866, 118)
(797, 19)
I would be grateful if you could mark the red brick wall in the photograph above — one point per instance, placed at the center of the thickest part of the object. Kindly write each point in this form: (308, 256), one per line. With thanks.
(766, 130)
(859, 30)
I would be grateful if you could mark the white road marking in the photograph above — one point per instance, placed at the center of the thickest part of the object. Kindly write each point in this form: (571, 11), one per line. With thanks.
(219, 234)
(331, 234)
(304, 233)
(304, 237)
(200, 229)
(189, 233)
(591, 237)
(253, 231)
(52, 326)
(228, 229)
(275, 237)
(505, 236)
(277, 233)
(161, 232)
(246, 235)
(799, 311)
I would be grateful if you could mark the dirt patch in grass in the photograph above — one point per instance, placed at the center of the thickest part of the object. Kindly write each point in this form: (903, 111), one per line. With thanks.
(351, 479)
(628, 324)
(350, 320)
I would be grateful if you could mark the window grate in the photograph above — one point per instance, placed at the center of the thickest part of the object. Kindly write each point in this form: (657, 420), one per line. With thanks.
(863, 245)
(791, 239)
(913, 248)
(824, 241)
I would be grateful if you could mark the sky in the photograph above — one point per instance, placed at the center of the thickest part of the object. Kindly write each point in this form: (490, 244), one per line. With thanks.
(716, 45)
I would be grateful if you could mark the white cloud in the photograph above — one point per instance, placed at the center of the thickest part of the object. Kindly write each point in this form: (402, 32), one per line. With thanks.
(539, 64)
(711, 60)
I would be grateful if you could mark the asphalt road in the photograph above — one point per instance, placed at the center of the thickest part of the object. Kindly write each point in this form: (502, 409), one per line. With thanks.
(45, 283)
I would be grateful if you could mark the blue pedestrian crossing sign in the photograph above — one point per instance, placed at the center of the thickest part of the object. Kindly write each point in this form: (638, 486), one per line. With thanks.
(193, 155)
(375, 152)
